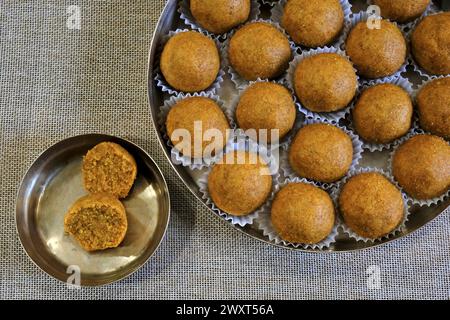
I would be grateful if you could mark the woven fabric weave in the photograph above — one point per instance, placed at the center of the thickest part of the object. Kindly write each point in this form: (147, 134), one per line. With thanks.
(57, 82)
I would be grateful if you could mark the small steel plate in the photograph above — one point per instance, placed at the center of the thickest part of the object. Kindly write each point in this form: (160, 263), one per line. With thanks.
(50, 187)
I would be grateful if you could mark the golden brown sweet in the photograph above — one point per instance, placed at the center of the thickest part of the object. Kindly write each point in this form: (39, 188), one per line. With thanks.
(421, 166)
(208, 115)
(240, 184)
(266, 105)
(259, 50)
(371, 205)
(302, 213)
(402, 10)
(376, 52)
(430, 43)
(109, 168)
(190, 61)
(325, 82)
(321, 152)
(313, 23)
(220, 16)
(433, 103)
(383, 113)
(97, 222)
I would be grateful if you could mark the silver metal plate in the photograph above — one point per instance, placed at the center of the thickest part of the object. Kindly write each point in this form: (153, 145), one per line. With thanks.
(170, 20)
(54, 182)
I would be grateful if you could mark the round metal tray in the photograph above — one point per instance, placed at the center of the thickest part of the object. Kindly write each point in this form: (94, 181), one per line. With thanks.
(169, 20)
(54, 182)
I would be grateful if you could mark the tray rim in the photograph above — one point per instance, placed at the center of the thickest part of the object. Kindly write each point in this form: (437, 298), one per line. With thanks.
(150, 97)
(106, 136)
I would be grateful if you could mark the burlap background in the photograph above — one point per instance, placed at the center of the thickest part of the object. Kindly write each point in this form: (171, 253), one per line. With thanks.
(56, 83)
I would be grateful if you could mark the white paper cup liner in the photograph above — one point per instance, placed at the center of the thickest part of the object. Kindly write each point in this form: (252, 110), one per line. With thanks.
(418, 69)
(189, 20)
(405, 84)
(407, 26)
(277, 15)
(335, 196)
(288, 172)
(235, 101)
(362, 16)
(166, 87)
(269, 2)
(264, 222)
(411, 61)
(412, 200)
(332, 117)
(176, 156)
(235, 77)
(245, 145)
